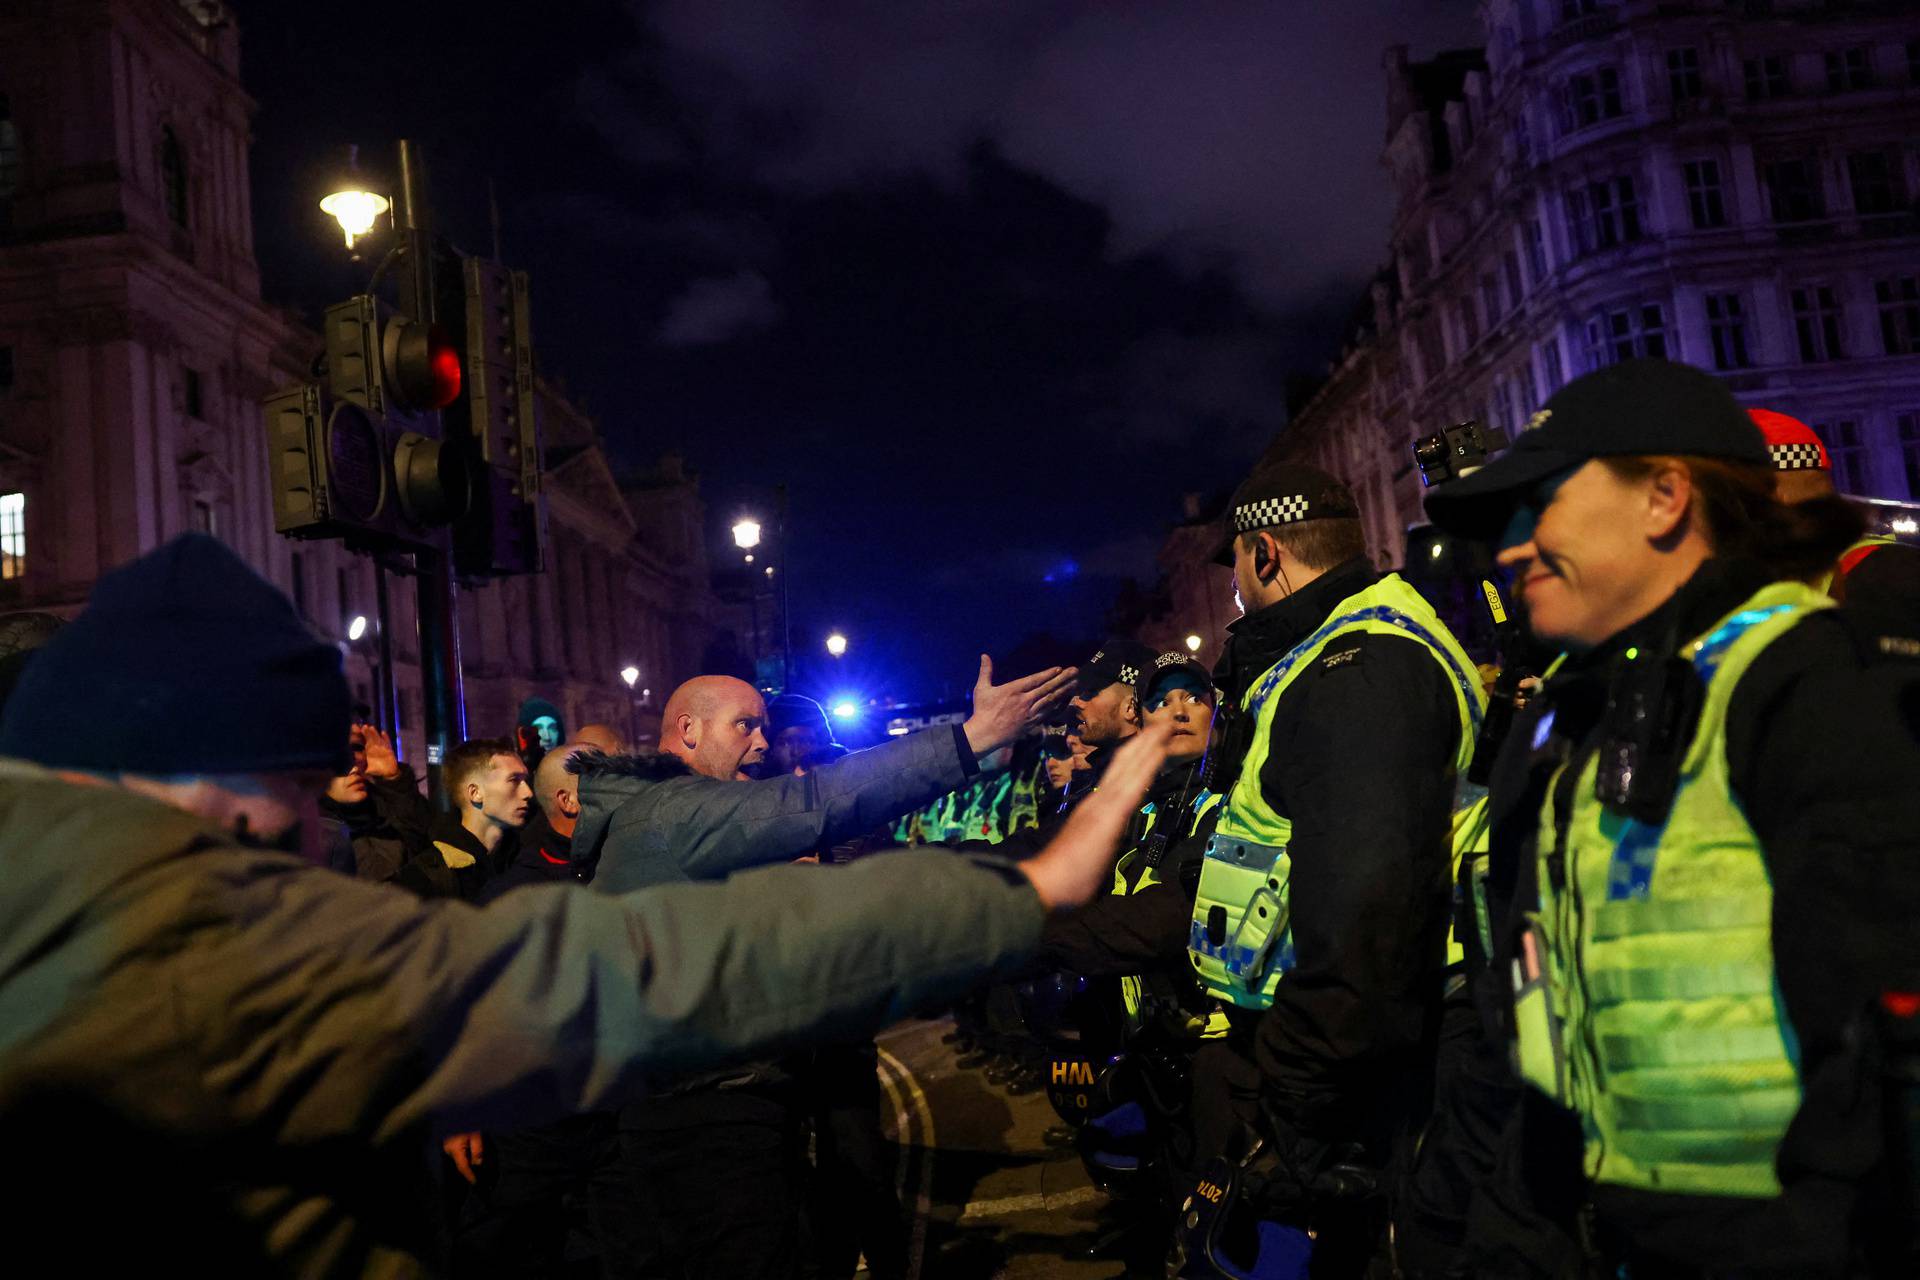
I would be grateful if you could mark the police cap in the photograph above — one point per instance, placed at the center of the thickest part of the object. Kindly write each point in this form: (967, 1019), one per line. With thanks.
(1634, 408)
(1118, 661)
(1283, 493)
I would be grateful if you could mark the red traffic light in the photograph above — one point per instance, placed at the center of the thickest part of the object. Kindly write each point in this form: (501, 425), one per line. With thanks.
(423, 365)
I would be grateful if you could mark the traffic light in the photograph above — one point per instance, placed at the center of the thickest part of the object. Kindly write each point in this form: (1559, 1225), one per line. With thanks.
(360, 455)
(505, 529)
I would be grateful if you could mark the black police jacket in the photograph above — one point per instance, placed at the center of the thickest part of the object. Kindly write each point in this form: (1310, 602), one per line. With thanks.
(1361, 762)
(1823, 757)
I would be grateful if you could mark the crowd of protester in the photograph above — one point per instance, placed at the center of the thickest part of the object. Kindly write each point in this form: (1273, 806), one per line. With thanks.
(1363, 955)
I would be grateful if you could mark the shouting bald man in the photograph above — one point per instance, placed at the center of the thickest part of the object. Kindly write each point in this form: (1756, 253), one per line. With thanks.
(709, 1156)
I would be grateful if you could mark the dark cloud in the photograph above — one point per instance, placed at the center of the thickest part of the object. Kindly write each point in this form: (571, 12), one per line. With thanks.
(719, 309)
(1204, 129)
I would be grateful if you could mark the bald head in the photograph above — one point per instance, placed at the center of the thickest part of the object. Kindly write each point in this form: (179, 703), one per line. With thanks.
(603, 738)
(714, 723)
(557, 790)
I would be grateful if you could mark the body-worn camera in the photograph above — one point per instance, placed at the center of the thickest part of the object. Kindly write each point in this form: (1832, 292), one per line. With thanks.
(1452, 453)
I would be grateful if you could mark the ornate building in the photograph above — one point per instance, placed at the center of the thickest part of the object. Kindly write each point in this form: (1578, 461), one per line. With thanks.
(1731, 183)
(135, 350)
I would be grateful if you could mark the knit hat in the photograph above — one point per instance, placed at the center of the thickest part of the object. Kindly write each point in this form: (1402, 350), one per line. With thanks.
(1791, 443)
(185, 662)
(794, 710)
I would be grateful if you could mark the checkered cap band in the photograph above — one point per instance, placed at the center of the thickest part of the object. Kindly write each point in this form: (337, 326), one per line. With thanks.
(1796, 457)
(1129, 675)
(1270, 511)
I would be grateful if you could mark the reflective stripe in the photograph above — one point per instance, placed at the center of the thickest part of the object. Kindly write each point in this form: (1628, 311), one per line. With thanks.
(1681, 915)
(1624, 1053)
(1616, 986)
(1399, 621)
(1767, 1107)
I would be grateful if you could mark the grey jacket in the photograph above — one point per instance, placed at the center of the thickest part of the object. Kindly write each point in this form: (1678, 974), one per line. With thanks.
(231, 1056)
(648, 820)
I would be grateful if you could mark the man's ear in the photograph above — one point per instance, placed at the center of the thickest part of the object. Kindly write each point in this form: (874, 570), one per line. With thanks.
(569, 802)
(689, 737)
(1132, 712)
(1670, 493)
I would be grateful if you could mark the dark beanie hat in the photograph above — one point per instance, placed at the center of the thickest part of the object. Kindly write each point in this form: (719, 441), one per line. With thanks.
(185, 661)
(792, 710)
(533, 708)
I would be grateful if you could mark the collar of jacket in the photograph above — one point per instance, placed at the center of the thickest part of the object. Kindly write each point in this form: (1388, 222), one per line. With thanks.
(448, 829)
(1713, 591)
(1256, 641)
(606, 783)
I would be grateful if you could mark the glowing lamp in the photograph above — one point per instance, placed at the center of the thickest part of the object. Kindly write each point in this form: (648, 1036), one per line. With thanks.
(746, 534)
(836, 644)
(358, 627)
(355, 211)
(631, 675)
(846, 709)
(1193, 644)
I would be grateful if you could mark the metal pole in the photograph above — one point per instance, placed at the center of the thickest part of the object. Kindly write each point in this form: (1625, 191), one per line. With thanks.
(786, 615)
(383, 686)
(444, 708)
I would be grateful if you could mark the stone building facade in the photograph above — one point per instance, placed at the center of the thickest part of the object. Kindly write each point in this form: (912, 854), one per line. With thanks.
(135, 350)
(1730, 183)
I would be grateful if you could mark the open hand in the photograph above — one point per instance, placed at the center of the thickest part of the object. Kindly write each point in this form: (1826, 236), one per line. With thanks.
(1076, 864)
(1002, 712)
(466, 1150)
(382, 762)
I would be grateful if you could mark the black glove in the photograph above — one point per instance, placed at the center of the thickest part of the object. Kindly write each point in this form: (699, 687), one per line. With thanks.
(1287, 1172)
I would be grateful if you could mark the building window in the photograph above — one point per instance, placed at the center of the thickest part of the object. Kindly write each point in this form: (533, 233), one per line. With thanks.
(190, 393)
(1816, 322)
(1590, 97)
(1908, 425)
(13, 536)
(1626, 333)
(1500, 405)
(1552, 366)
(1529, 389)
(1536, 250)
(1767, 77)
(6, 370)
(1875, 181)
(1849, 69)
(1727, 323)
(1467, 323)
(1683, 74)
(1602, 215)
(1913, 61)
(1490, 308)
(1706, 204)
(9, 154)
(1793, 191)
(173, 176)
(1516, 285)
(1899, 301)
(1847, 451)
(202, 517)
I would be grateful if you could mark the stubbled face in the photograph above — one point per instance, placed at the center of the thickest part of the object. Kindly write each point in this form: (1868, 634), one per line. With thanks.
(505, 796)
(350, 788)
(733, 738)
(794, 745)
(1580, 555)
(1109, 716)
(1184, 703)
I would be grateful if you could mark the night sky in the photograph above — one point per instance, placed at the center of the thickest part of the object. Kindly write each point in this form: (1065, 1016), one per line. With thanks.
(988, 283)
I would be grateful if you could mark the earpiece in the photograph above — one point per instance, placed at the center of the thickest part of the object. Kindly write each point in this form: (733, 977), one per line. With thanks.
(1263, 566)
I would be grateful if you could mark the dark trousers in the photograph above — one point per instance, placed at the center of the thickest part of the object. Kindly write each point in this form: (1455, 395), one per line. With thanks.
(853, 1208)
(516, 1222)
(715, 1177)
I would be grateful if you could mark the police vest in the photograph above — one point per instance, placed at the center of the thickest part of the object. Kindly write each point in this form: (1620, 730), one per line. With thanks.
(1241, 940)
(1138, 994)
(1646, 999)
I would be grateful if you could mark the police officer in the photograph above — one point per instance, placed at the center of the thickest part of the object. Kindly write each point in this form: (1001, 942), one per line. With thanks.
(1702, 851)
(1348, 714)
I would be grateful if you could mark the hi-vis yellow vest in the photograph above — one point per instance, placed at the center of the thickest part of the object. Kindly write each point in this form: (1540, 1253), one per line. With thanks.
(1241, 941)
(1134, 995)
(1645, 997)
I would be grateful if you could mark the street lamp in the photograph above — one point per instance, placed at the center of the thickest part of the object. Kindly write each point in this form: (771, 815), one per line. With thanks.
(746, 534)
(836, 644)
(357, 628)
(1193, 644)
(631, 675)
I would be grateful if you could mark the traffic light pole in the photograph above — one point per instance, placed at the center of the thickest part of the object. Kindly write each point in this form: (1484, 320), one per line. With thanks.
(443, 699)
